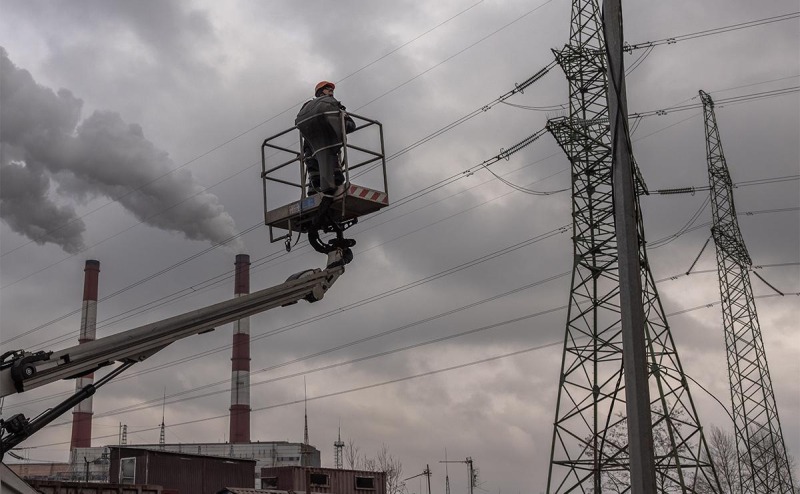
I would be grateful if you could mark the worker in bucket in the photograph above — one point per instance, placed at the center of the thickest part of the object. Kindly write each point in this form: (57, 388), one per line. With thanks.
(320, 124)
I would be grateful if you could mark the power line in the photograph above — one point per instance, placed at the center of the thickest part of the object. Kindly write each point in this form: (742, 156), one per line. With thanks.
(413, 196)
(241, 134)
(521, 87)
(402, 201)
(710, 32)
(392, 381)
(365, 301)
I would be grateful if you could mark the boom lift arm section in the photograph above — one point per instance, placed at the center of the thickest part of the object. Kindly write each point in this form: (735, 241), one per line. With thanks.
(21, 371)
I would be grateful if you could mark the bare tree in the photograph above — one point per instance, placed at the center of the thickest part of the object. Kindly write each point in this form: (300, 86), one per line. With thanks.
(615, 477)
(724, 455)
(351, 455)
(383, 461)
(393, 468)
(722, 449)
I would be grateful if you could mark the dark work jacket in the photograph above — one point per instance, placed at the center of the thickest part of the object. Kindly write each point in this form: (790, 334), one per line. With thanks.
(321, 105)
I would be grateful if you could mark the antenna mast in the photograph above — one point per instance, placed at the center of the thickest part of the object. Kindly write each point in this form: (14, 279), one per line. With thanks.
(446, 474)
(338, 447)
(162, 439)
(305, 450)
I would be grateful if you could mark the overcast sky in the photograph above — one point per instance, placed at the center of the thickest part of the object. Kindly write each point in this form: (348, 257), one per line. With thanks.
(132, 138)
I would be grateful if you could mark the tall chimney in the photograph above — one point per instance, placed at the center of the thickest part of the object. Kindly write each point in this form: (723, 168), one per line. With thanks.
(240, 360)
(82, 413)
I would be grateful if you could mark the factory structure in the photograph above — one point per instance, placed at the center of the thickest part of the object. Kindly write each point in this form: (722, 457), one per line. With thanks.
(94, 463)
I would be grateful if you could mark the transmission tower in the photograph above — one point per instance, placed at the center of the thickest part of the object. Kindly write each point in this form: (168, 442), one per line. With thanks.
(762, 458)
(589, 447)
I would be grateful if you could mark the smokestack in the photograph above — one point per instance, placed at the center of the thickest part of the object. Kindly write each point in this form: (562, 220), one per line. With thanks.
(240, 360)
(82, 413)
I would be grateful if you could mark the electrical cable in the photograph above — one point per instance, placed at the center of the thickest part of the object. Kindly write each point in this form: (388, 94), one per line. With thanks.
(241, 134)
(628, 48)
(429, 189)
(522, 86)
(692, 220)
(714, 31)
(518, 88)
(445, 182)
(149, 404)
(370, 299)
(392, 381)
(708, 223)
(708, 271)
(526, 14)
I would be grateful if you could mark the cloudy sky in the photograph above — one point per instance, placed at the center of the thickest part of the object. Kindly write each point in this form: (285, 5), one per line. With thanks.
(131, 133)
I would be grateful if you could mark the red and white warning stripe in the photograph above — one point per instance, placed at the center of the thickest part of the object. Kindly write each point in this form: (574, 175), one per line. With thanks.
(369, 194)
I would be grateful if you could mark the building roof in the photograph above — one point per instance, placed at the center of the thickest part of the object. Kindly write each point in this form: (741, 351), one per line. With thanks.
(244, 490)
(175, 453)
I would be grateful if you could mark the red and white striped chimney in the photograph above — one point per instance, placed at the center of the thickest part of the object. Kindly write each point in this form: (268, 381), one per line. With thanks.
(240, 360)
(82, 413)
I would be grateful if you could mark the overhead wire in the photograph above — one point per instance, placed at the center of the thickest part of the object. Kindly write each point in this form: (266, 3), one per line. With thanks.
(498, 177)
(742, 100)
(392, 381)
(243, 133)
(519, 88)
(707, 271)
(648, 44)
(663, 241)
(416, 195)
(710, 32)
(314, 319)
(155, 402)
(375, 297)
(692, 220)
(413, 196)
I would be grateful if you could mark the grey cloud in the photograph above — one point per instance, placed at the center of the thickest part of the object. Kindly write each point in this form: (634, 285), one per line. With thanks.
(103, 156)
(27, 210)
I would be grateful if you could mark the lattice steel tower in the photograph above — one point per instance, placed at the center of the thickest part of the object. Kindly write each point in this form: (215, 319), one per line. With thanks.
(589, 448)
(762, 457)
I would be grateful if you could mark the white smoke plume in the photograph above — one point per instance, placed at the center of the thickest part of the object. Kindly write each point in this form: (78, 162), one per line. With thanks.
(42, 140)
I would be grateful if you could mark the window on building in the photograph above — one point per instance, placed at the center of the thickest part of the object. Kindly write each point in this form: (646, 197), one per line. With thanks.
(365, 482)
(127, 471)
(319, 479)
(269, 482)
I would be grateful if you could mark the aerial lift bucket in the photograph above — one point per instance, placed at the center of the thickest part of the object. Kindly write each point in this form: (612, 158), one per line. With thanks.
(361, 155)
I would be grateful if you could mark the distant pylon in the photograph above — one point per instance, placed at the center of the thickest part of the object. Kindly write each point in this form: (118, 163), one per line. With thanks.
(589, 445)
(762, 457)
(306, 450)
(162, 439)
(338, 447)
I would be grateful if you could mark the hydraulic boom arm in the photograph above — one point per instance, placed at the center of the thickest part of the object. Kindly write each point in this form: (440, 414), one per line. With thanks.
(21, 371)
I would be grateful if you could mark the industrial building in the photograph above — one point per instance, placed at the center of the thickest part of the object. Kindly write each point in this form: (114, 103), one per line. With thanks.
(323, 480)
(97, 464)
(181, 472)
(97, 461)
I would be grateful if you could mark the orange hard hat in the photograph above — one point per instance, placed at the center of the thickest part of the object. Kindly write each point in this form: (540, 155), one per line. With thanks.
(323, 84)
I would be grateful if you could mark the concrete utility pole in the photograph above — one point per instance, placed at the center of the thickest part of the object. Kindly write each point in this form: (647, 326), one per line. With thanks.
(634, 356)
